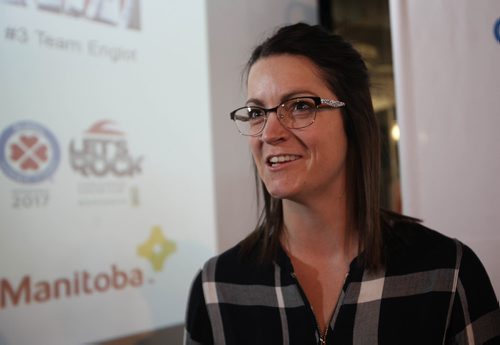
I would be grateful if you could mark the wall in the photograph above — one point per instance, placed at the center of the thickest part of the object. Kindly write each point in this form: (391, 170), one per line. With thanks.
(234, 29)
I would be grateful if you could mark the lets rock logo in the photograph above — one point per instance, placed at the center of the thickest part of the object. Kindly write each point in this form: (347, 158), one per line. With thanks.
(104, 152)
(103, 159)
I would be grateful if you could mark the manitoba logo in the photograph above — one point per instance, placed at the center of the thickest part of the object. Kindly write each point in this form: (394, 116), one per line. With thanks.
(29, 152)
(103, 151)
(156, 248)
(30, 290)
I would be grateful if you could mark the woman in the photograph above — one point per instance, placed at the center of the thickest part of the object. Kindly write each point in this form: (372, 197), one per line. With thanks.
(325, 265)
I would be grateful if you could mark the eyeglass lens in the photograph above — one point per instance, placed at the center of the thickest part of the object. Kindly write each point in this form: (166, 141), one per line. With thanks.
(294, 113)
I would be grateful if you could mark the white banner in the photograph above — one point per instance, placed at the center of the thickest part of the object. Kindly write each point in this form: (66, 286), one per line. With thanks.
(106, 177)
(446, 58)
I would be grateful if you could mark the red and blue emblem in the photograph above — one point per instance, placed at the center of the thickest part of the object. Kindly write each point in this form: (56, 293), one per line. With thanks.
(29, 152)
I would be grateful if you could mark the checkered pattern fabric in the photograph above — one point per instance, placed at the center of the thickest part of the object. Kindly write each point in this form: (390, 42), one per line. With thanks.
(433, 290)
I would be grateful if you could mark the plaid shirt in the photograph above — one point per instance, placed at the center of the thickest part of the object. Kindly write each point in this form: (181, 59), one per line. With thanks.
(433, 290)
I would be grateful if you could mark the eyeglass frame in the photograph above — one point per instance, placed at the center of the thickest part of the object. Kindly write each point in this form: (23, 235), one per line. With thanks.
(334, 104)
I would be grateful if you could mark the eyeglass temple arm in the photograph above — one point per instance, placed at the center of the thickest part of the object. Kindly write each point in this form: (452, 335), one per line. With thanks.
(331, 103)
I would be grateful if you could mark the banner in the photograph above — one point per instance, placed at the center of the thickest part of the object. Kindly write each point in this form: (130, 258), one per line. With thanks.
(106, 177)
(446, 55)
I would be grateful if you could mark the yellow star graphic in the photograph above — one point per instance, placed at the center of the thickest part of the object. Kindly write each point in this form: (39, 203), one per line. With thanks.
(156, 248)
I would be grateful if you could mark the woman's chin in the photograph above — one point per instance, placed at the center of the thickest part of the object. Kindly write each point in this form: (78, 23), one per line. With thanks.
(277, 193)
(281, 193)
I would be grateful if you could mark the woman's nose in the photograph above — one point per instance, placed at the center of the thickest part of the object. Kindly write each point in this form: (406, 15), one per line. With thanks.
(273, 129)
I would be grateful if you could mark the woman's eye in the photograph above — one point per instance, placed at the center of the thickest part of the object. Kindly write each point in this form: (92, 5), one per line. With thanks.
(255, 114)
(300, 106)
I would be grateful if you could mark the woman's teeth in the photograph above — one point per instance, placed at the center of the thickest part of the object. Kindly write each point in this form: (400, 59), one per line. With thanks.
(275, 160)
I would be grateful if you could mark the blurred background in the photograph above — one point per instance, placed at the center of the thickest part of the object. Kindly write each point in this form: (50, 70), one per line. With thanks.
(121, 173)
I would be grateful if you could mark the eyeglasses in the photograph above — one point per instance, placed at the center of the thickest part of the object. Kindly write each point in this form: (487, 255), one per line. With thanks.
(297, 112)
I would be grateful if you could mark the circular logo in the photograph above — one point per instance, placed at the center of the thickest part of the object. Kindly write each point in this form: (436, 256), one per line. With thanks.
(496, 30)
(29, 152)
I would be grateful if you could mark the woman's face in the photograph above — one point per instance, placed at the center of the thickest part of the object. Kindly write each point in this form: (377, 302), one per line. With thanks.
(314, 157)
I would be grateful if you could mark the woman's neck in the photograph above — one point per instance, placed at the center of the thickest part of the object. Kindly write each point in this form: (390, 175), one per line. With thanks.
(319, 230)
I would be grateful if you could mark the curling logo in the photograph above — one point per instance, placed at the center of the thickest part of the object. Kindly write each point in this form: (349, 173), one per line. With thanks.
(156, 249)
(29, 152)
(496, 30)
(103, 152)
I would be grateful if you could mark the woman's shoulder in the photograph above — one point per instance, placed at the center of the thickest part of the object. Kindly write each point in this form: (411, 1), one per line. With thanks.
(425, 265)
(413, 247)
(426, 255)
(412, 233)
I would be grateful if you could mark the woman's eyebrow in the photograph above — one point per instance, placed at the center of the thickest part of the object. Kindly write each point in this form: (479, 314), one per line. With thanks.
(254, 101)
(283, 98)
